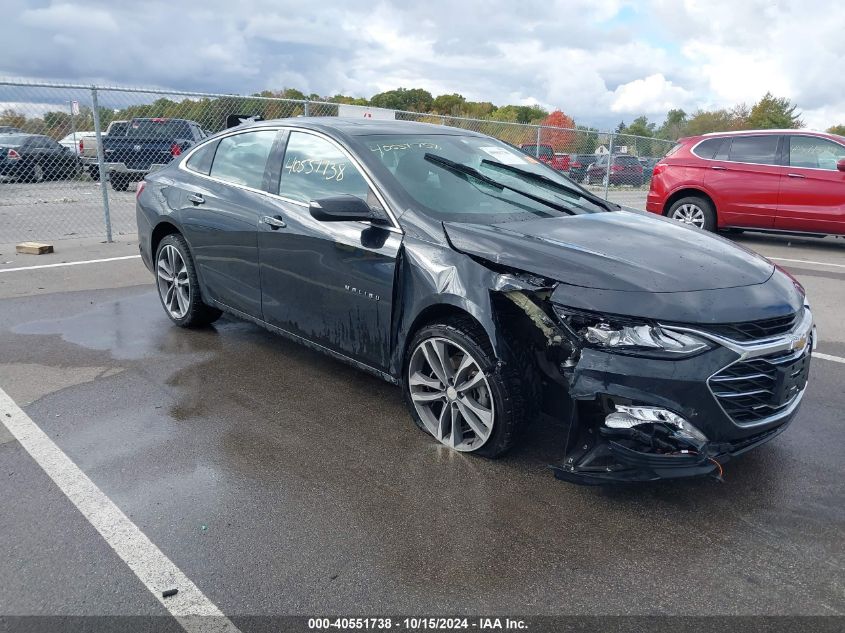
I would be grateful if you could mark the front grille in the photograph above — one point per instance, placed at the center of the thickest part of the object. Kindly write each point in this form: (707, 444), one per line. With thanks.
(754, 330)
(754, 389)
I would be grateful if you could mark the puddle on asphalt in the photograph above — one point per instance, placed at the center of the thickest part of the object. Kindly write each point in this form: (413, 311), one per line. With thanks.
(129, 329)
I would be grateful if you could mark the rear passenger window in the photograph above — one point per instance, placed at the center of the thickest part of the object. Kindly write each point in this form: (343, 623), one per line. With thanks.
(242, 158)
(754, 149)
(814, 153)
(708, 148)
(200, 160)
(723, 150)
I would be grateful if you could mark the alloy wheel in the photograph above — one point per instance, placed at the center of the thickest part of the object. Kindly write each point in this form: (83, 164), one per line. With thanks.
(174, 285)
(689, 214)
(451, 394)
(37, 172)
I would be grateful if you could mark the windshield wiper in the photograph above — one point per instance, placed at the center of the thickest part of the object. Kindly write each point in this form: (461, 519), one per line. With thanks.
(466, 170)
(529, 175)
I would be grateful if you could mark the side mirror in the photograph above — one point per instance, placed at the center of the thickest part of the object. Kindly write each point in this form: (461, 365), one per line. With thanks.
(343, 208)
(840, 164)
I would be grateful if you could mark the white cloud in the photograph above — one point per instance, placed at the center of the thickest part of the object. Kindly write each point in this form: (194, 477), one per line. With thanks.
(652, 95)
(68, 17)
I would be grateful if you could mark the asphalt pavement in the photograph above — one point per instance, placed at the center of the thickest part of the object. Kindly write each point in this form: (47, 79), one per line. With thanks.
(283, 482)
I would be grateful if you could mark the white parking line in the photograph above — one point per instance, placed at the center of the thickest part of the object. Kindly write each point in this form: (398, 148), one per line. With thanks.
(87, 261)
(835, 359)
(805, 261)
(190, 607)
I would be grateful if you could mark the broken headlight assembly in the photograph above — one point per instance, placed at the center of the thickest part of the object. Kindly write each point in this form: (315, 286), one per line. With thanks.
(630, 336)
(627, 417)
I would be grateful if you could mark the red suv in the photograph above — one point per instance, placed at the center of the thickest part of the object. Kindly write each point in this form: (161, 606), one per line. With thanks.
(770, 180)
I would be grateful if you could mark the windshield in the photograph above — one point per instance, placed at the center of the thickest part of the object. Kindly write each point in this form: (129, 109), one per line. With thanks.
(13, 139)
(158, 128)
(495, 194)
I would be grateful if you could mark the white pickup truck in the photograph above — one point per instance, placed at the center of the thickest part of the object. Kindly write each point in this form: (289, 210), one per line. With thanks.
(88, 147)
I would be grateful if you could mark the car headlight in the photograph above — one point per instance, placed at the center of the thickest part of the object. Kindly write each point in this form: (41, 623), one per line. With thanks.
(631, 336)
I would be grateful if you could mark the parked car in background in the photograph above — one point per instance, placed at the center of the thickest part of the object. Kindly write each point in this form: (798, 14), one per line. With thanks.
(33, 158)
(578, 165)
(8, 129)
(73, 141)
(149, 144)
(88, 146)
(546, 153)
(624, 170)
(648, 166)
(488, 286)
(772, 180)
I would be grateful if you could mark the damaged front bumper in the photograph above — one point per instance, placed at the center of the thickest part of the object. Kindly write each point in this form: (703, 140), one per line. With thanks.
(696, 413)
(611, 461)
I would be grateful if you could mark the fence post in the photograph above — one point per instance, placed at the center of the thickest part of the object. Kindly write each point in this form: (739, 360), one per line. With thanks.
(101, 165)
(537, 146)
(609, 161)
(305, 108)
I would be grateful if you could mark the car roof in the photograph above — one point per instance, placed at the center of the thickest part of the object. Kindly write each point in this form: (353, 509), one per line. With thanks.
(789, 131)
(363, 127)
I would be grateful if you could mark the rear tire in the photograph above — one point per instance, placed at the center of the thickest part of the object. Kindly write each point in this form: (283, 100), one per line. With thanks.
(499, 390)
(178, 286)
(694, 211)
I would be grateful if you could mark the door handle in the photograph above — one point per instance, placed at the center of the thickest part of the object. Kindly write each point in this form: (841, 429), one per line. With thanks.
(719, 168)
(274, 223)
(196, 198)
(796, 175)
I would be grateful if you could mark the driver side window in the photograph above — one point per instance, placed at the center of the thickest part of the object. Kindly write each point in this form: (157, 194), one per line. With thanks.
(314, 168)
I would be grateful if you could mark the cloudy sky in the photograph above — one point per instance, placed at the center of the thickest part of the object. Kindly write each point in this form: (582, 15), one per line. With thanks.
(600, 62)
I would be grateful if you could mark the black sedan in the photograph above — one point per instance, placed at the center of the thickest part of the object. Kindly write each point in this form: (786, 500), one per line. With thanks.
(33, 157)
(490, 287)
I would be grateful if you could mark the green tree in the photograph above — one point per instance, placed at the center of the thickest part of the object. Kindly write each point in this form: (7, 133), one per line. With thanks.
(674, 126)
(12, 118)
(413, 100)
(640, 127)
(704, 121)
(519, 114)
(837, 129)
(349, 100)
(587, 139)
(451, 105)
(774, 112)
(478, 109)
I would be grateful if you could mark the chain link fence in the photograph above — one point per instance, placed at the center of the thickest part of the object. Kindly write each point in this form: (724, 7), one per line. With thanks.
(70, 155)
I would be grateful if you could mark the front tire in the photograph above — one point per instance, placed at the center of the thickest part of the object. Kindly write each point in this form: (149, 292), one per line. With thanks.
(178, 286)
(458, 392)
(694, 211)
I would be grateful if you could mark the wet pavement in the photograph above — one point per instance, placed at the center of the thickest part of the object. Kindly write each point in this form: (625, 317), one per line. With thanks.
(283, 482)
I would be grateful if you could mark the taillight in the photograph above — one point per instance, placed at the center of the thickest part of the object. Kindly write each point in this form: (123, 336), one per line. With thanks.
(616, 168)
(12, 155)
(574, 164)
(175, 150)
(659, 168)
(81, 146)
(141, 185)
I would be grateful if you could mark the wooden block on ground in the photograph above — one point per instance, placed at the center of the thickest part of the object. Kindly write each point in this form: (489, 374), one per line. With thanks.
(34, 248)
